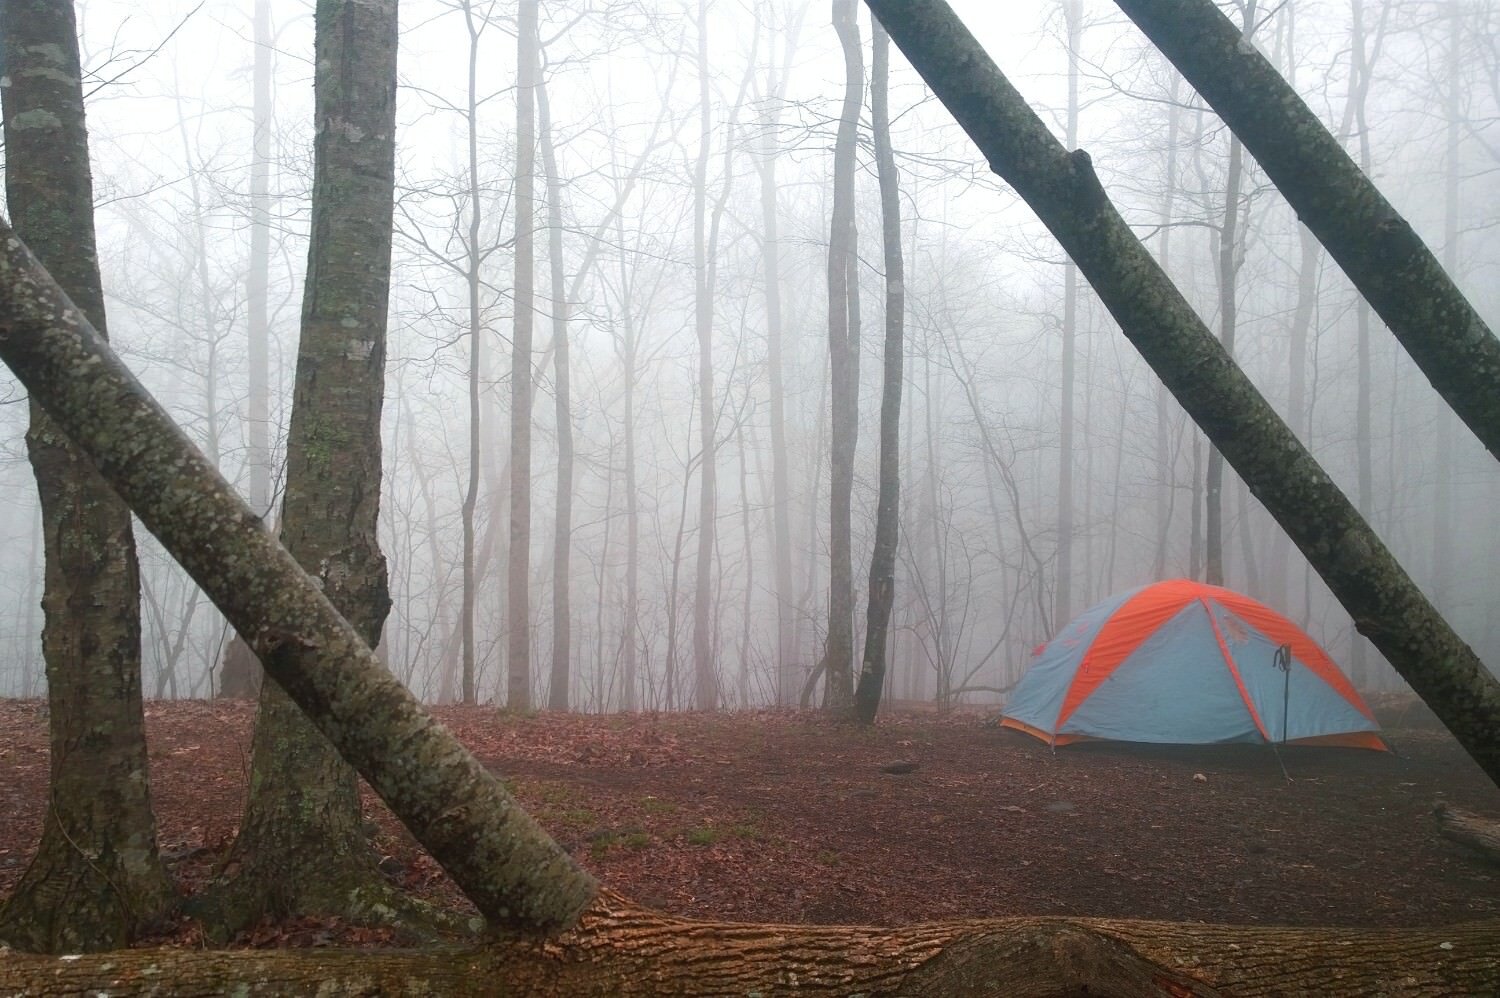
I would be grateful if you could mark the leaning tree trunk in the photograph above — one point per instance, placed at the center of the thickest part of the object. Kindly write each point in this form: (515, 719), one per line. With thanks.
(96, 879)
(1062, 189)
(517, 876)
(1381, 253)
(300, 847)
(461, 813)
(514, 873)
(619, 949)
(888, 509)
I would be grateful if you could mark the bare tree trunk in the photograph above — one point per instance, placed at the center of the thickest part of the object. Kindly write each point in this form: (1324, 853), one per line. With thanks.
(1229, 265)
(1379, 251)
(473, 257)
(300, 846)
(1063, 189)
(562, 536)
(888, 512)
(843, 347)
(1361, 72)
(1063, 599)
(1296, 397)
(628, 623)
(1442, 506)
(781, 514)
(1228, 273)
(1165, 465)
(705, 665)
(518, 582)
(514, 873)
(516, 876)
(96, 880)
(240, 673)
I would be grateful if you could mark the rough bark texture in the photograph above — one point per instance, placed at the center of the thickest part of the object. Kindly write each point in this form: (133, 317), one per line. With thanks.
(843, 353)
(518, 571)
(1374, 245)
(1062, 189)
(300, 846)
(619, 949)
(512, 871)
(96, 878)
(1478, 833)
(888, 509)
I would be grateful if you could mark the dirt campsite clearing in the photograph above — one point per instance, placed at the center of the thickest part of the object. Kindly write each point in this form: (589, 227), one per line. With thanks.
(780, 816)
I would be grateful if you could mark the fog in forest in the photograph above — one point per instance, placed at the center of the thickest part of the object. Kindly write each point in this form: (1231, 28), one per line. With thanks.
(1033, 484)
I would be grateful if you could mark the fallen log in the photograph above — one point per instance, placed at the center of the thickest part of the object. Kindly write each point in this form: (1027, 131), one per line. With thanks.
(619, 948)
(1478, 833)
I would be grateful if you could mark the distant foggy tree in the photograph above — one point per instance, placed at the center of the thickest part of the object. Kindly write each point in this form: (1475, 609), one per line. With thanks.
(519, 879)
(463, 234)
(562, 530)
(96, 880)
(1309, 262)
(240, 673)
(1063, 604)
(843, 352)
(705, 661)
(1442, 507)
(300, 846)
(1230, 257)
(518, 578)
(564, 294)
(476, 251)
(1364, 52)
(777, 75)
(888, 514)
(257, 281)
(530, 890)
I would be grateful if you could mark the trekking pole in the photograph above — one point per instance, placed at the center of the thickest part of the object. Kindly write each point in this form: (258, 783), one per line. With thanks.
(1283, 660)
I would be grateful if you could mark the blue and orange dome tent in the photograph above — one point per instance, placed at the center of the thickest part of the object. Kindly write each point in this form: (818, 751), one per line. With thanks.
(1188, 663)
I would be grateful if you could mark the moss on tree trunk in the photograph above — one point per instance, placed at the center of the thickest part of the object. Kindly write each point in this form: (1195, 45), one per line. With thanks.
(96, 877)
(513, 872)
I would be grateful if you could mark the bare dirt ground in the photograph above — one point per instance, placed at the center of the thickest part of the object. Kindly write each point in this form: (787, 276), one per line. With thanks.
(777, 816)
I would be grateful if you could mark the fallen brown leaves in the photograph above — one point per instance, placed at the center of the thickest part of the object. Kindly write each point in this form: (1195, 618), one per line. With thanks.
(779, 816)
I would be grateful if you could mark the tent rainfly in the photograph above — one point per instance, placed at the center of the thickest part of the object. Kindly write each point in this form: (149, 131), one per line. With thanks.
(1188, 663)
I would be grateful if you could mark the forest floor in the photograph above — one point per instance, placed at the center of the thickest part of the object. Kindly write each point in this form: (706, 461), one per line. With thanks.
(780, 816)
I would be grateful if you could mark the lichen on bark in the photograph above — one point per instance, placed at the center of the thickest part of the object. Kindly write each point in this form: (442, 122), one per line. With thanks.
(95, 880)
